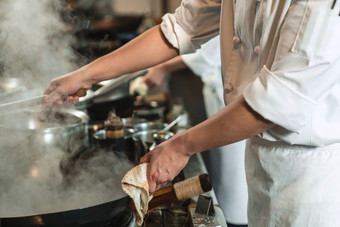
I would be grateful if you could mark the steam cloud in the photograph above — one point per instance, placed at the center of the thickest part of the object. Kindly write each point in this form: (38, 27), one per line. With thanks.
(34, 42)
(35, 47)
(33, 184)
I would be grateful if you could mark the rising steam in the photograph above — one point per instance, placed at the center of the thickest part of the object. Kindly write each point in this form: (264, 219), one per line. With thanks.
(34, 42)
(35, 47)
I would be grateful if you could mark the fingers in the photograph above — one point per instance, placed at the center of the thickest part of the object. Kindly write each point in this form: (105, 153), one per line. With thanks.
(155, 178)
(65, 90)
(59, 100)
(52, 87)
(69, 101)
(145, 158)
(54, 97)
(154, 185)
(164, 165)
(148, 82)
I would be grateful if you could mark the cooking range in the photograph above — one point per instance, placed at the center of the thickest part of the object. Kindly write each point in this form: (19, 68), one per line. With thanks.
(98, 148)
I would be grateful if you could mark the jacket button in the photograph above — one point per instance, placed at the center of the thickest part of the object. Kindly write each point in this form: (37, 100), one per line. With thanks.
(228, 87)
(236, 41)
(257, 50)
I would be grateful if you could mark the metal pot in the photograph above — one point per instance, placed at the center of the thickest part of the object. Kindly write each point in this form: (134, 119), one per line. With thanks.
(145, 132)
(151, 113)
(130, 122)
(147, 126)
(146, 136)
(43, 129)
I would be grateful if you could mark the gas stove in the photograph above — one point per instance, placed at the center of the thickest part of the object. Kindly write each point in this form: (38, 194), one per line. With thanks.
(200, 211)
(179, 214)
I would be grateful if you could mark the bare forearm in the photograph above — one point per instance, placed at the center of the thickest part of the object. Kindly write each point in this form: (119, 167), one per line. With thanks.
(147, 50)
(172, 65)
(235, 122)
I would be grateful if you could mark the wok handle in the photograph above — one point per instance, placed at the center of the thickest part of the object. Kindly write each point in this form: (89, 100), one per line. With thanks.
(80, 93)
(180, 191)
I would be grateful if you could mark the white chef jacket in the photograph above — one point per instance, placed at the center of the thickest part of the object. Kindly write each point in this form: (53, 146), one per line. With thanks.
(284, 57)
(225, 164)
(276, 63)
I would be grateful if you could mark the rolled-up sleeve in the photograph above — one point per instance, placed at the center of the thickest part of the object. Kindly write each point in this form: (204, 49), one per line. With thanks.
(193, 23)
(303, 73)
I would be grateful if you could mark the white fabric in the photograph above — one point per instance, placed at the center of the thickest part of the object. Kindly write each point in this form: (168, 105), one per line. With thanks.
(287, 68)
(206, 63)
(225, 164)
(306, 193)
(135, 184)
(226, 168)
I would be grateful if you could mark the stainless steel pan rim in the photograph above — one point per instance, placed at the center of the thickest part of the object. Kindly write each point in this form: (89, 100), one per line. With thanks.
(79, 117)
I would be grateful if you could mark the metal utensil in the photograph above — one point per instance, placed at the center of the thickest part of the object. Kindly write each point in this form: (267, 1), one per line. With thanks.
(24, 103)
(169, 126)
(112, 88)
(163, 134)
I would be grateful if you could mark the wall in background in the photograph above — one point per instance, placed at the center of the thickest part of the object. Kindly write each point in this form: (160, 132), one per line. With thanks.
(144, 7)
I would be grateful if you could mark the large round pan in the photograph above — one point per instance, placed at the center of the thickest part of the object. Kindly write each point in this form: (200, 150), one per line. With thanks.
(111, 213)
(106, 214)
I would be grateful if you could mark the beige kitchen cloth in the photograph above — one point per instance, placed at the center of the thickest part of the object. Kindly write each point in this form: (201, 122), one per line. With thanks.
(135, 184)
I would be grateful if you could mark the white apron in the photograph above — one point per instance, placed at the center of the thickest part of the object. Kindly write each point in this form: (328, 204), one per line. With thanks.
(292, 186)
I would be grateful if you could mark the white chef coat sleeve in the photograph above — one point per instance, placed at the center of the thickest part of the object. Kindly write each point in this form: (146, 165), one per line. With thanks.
(193, 23)
(305, 69)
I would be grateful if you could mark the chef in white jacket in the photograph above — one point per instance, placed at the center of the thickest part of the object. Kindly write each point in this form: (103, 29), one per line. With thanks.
(225, 164)
(281, 64)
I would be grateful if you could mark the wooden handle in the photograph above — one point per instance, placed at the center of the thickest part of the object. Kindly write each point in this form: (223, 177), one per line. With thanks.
(166, 195)
(80, 93)
(97, 127)
(192, 187)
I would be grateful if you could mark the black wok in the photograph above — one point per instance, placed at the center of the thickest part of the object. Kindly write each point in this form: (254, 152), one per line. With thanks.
(106, 214)
(116, 213)
(113, 213)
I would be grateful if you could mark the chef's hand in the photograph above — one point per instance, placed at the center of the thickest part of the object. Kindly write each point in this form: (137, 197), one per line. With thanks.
(154, 76)
(67, 89)
(165, 162)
